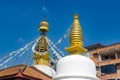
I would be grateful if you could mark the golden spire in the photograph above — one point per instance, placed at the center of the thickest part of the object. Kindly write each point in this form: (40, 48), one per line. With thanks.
(43, 27)
(76, 42)
(43, 57)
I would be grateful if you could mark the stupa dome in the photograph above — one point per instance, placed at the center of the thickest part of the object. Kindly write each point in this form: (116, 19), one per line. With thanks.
(75, 67)
(46, 70)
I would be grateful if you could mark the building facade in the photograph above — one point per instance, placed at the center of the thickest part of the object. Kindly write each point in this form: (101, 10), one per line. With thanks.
(107, 60)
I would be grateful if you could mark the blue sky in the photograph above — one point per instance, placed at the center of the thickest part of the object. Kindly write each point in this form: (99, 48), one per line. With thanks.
(19, 20)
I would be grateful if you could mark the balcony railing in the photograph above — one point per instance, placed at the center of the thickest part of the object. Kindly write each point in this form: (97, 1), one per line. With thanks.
(112, 61)
(108, 76)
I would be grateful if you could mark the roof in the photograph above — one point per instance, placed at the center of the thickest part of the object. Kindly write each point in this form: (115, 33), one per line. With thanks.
(94, 46)
(24, 70)
(113, 44)
(97, 46)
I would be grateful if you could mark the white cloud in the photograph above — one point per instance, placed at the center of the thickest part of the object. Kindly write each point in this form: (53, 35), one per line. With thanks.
(44, 9)
(21, 40)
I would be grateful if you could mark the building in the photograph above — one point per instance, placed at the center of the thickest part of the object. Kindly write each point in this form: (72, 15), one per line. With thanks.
(75, 65)
(107, 60)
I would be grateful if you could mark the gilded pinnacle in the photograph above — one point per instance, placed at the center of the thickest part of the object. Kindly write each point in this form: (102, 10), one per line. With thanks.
(42, 55)
(76, 42)
(43, 27)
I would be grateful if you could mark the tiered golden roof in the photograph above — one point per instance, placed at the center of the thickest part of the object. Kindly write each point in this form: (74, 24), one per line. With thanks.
(76, 42)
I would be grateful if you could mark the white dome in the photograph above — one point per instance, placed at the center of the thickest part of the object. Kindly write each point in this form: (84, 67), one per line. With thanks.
(75, 67)
(46, 69)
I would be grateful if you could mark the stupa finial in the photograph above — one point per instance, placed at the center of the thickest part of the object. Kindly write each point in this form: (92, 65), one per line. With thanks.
(76, 41)
(44, 26)
(42, 55)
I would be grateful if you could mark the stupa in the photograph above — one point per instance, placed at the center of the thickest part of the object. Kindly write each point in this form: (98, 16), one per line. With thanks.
(41, 53)
(75, 66)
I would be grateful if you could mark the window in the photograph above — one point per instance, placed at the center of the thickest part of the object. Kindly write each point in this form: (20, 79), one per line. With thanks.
(95, 55)
(108, 69)
(108, 57)
(113, 79)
